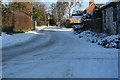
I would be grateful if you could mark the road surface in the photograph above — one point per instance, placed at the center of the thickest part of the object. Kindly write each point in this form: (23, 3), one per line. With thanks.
(57, 54)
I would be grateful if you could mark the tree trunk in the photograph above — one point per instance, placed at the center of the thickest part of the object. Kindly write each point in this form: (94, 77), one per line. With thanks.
(69, 13)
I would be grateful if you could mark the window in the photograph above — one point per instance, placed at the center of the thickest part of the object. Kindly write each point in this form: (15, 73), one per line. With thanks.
(114, 13)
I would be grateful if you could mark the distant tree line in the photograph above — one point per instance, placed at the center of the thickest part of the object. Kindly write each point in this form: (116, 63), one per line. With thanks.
(62, 10)
(14, 13)
(19, 16)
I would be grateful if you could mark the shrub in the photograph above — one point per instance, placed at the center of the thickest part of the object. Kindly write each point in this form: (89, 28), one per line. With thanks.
(16, 17)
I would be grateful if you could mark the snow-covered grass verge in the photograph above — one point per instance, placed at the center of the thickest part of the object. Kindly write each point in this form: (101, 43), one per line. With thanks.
(100, 38)
(54, 28)
(40, 27)
(9, 40)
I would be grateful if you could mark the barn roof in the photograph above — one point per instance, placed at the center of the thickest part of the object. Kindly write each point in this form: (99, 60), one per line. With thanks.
(108, 4)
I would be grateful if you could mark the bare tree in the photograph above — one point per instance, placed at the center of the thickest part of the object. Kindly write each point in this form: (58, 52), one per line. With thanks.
(60, 10)
(72, 5)
(53, 9)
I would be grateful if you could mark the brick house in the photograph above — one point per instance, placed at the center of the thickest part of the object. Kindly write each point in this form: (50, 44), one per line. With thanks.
(92, 5)
(111, 17)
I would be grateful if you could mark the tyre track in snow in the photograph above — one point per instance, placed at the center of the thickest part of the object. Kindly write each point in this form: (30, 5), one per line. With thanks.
(37, 43)
(60, 56)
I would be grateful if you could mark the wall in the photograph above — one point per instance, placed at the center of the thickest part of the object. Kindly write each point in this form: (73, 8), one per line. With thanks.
(93, 25)
(108, 20)
(111, 27)
(118, 6)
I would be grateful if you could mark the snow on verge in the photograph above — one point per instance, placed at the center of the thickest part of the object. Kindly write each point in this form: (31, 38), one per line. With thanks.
(100, 38)
(9, 40)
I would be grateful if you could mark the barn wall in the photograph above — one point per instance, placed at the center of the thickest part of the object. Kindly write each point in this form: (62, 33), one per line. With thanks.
(111, 27)
(118, 6)
(93, 25)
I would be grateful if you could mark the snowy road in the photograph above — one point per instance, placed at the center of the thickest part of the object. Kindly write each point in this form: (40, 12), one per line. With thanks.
(58, 54)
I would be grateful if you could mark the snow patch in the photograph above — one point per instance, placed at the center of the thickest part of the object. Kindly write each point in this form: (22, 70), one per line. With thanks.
(9, 40)
(76, 16)
(100, 38)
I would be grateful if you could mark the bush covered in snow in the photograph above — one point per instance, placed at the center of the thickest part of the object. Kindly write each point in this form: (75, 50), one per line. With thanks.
(86, 16)
(100, 39)
(78, 29)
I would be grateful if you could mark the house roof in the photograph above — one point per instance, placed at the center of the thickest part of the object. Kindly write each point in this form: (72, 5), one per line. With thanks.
(108, 4)
(92, 6)
(77, 12)
(95, 5)
(99, 4)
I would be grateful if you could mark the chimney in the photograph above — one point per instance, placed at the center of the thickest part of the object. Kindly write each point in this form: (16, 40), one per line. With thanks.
(91, 1)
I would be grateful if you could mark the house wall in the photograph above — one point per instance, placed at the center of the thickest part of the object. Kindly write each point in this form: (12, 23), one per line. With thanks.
(118, 6)
(103, 21)
(93, 25)
(109, 26)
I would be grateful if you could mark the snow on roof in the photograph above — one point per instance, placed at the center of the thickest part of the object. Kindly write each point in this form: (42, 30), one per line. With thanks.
(105, 4)
(98, 5)
(77, 12)
(74, 12)
(76, 16)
